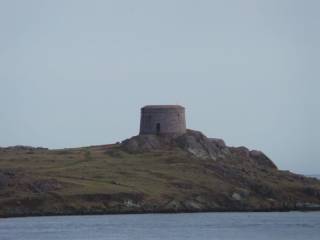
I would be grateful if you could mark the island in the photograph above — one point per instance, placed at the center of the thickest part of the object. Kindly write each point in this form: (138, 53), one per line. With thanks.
(167, 168)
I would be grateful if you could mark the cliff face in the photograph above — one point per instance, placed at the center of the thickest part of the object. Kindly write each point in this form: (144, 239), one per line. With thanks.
(149, 174)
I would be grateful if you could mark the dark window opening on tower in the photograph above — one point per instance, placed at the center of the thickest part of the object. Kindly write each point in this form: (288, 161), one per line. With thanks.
(158, 128)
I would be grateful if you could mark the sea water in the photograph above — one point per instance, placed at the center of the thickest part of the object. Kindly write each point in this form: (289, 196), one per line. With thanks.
(257, 226)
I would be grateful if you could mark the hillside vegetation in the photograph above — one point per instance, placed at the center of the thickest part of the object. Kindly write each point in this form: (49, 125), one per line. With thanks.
(148, 174)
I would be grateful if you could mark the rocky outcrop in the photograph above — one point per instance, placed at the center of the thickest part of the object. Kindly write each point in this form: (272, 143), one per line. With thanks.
(261, 159)
(196, 144)
(147, 143)
(193, 142)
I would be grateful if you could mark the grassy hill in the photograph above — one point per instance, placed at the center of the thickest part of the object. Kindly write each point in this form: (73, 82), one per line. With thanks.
(139, 177)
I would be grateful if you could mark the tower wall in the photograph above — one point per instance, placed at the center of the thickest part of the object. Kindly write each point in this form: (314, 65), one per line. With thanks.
(163, 119)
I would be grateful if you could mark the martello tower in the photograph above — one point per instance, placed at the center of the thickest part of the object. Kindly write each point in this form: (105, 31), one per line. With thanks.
(163, 119)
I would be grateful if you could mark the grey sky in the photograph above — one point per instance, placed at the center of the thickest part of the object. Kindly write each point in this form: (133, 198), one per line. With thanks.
(75, 73)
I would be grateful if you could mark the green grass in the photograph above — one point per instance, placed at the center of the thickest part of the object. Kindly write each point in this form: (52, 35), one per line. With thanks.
(160, 176)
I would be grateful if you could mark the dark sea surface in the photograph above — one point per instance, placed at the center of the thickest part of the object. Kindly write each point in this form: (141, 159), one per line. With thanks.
(256, 226)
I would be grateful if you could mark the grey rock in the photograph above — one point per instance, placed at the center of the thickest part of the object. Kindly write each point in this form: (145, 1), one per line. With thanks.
(190, 204)
(198, 145)
(261, 159)
(218, 142)
(242, 152)
(236, 196)
(173, 205)
(130, 204)
(147, 143)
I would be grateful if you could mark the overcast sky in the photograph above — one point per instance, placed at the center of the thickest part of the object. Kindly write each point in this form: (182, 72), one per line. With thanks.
(75, 73)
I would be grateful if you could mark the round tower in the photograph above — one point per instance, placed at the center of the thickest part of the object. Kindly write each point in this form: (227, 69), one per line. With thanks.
(163, 119)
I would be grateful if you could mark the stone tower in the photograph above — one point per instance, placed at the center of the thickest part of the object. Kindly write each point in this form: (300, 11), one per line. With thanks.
(163, 119)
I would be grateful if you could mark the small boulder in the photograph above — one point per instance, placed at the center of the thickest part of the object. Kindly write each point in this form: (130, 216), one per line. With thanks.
(261, 159)
(236, 196)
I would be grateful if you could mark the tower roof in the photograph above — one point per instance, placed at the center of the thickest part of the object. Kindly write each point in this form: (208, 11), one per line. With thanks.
(162, 107)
